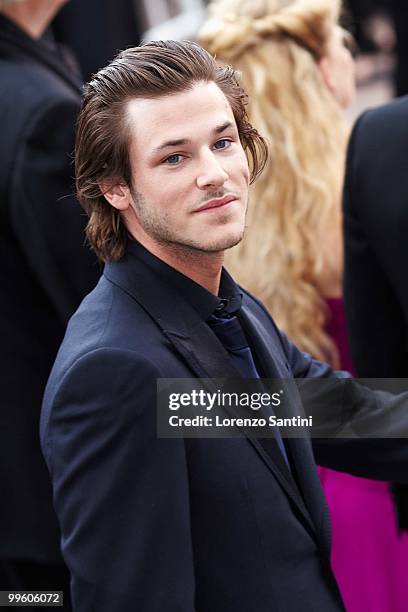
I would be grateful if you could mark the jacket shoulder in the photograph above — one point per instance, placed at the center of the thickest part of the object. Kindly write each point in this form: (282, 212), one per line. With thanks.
(385, 124)
(30, 83)
(107, 319)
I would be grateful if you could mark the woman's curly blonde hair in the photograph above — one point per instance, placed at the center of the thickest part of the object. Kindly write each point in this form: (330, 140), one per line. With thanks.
(275, 44)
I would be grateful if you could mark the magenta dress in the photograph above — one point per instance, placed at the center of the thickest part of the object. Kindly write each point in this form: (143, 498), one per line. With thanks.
(369, 556)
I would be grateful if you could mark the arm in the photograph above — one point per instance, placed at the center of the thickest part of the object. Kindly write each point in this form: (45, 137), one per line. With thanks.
(357, 410)
(121, 494)
(48, 222)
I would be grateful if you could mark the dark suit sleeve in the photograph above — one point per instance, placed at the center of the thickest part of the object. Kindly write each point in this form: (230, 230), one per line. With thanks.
(349, 410)
(121, 494)
(375, 319)
(47, 220)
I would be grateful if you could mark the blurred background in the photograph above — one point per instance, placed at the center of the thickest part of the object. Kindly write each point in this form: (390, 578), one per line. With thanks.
(379, 28)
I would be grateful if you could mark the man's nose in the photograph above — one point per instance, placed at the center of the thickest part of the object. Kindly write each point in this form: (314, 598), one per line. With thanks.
(211, 173)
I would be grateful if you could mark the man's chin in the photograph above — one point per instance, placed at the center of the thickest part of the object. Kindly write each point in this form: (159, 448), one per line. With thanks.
(217, 245)
(225, 243)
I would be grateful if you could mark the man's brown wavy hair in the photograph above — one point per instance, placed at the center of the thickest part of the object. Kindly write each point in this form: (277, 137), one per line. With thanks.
(152, 70)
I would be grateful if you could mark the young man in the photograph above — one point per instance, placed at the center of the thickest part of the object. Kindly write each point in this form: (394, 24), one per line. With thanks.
(154, 524)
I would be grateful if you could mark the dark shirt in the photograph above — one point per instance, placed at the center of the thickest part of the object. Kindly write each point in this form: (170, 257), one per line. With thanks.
(203, 301)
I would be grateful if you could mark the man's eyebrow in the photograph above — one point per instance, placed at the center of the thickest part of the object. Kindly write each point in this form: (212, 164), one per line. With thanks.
(172, 143)
(223, 127)
(183, 141)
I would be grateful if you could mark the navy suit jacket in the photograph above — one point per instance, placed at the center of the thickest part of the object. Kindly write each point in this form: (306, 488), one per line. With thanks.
(163, 525)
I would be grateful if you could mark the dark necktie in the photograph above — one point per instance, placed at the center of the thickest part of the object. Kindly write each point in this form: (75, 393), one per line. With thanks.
(229, 332)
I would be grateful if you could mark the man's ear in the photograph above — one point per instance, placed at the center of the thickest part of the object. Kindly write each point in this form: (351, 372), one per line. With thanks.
(117, 194)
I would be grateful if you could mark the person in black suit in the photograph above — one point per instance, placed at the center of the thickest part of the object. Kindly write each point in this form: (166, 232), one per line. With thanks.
(376, 222)
(46, 272)
(156, 524)
(375, 226)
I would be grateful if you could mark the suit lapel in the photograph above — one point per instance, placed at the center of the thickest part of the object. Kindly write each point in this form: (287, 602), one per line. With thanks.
(275, 366)
(208, 359)
(203, 351)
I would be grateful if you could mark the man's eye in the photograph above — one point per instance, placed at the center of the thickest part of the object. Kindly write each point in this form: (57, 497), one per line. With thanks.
(172, 160)
(222, 144)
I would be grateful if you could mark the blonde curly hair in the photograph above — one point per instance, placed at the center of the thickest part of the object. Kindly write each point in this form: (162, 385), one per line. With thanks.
(275, 44)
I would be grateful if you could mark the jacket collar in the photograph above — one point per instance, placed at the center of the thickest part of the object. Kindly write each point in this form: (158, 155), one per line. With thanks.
(14, 40)
(147, 278)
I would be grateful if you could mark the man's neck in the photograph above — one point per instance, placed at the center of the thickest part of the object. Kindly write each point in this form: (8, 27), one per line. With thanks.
(203, 268)
(32, 16)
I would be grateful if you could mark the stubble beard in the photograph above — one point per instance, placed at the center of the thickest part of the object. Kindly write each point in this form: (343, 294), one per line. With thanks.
(157, 227)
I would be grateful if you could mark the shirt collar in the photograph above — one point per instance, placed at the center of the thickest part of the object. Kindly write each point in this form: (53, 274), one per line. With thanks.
(229, 297)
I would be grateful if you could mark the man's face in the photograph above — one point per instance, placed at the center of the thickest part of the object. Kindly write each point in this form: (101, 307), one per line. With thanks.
(189, 172)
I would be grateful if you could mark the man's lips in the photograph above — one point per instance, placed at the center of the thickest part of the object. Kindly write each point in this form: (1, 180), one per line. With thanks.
(216, 203)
